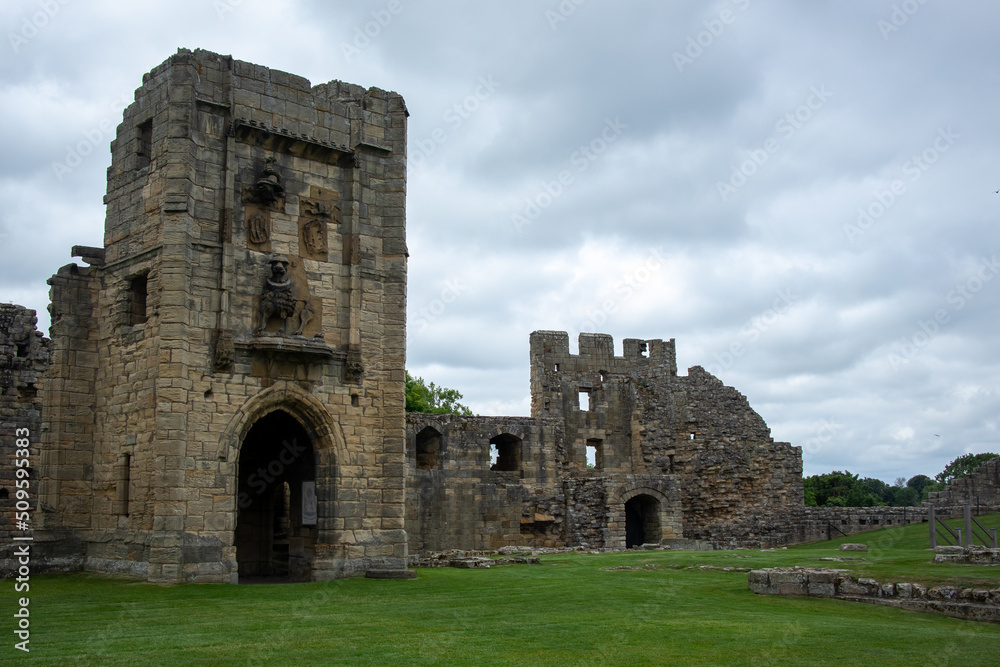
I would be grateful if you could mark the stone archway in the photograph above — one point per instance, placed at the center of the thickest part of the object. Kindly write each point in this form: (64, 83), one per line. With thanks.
(642, 520)
(276, 528)
(642, 510)
(330, 453)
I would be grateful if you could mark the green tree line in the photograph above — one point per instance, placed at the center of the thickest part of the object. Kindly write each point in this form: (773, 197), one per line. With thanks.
(430, 398)
(842, 489)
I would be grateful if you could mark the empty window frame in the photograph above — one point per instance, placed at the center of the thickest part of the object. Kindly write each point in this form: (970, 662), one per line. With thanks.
(138, 297)
(123, 481)
(595, 454)
(428, 449)
(144, 150)
(505, 453)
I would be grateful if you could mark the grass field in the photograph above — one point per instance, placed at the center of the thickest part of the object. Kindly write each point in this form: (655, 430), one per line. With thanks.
(566, 611)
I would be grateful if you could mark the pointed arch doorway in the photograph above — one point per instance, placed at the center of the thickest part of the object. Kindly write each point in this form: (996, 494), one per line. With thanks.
(276, 518)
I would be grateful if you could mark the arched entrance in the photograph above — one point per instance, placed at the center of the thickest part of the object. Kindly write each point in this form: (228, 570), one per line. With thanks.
(276, 501)
(642, 520)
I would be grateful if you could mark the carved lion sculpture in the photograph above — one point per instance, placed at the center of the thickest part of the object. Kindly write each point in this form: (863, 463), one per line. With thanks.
(277, 299)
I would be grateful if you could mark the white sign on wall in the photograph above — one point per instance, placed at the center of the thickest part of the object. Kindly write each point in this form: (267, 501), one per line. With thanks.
(308, 503)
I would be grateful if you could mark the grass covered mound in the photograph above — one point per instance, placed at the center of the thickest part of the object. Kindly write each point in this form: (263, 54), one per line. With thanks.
(570, 610)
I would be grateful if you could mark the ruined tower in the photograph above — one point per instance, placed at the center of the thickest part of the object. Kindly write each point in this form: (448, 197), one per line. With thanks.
(226, 391)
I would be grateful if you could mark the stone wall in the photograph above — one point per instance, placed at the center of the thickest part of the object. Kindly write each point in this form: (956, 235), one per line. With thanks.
(980, 488)
(975, 604)
(458, 499)
(671, 457)
(24, 357)
(796, 525)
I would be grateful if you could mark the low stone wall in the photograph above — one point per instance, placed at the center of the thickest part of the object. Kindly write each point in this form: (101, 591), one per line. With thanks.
(973, 604)
(796, 525)
(972, 555)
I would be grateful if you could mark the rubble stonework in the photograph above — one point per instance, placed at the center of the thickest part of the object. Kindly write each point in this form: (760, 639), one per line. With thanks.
(980, 489)
(24, 357)
(226, 391)
(675, 457)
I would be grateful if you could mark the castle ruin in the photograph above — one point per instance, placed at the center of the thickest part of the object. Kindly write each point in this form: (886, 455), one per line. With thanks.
(222, 396)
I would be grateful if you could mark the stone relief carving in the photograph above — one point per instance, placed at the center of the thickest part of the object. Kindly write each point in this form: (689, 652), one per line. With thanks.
(225, 351)
(314, 235)
(353, 368)
(267, 189)
(316, 215)
(278, 301)
(258, 228)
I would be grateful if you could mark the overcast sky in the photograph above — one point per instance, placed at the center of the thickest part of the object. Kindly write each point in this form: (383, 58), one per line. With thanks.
(802, 194)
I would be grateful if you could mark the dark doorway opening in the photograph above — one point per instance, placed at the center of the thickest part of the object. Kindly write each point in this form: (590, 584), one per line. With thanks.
(273, 538)
(642, 521)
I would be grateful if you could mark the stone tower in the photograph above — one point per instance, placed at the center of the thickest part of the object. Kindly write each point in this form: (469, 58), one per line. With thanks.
(226, 391)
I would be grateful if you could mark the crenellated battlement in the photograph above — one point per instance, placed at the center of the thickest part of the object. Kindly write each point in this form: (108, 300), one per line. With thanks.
(549, 348)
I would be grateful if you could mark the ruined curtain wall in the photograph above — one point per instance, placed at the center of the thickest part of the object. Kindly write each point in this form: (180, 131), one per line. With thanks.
(24, 357)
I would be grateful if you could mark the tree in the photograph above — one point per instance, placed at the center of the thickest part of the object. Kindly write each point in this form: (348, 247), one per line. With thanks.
(906, 497)
(830, 489)
(918, 483)
(430, 398)
(962, 466)
(880, 493)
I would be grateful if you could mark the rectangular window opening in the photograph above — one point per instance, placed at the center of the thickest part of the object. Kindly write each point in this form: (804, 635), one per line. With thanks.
(595, 454)
(124, 481)
(138, 296)
(145, 147)
(585, 404)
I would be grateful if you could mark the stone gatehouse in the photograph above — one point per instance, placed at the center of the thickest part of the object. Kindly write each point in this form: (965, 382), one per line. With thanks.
(225, 391)
(222, 395)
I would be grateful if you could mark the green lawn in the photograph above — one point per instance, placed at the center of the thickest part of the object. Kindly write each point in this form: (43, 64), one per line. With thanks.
(566, 611)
